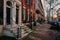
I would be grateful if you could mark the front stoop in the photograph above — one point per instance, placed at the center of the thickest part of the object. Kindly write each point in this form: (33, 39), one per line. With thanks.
(25, 30)
(22, 32)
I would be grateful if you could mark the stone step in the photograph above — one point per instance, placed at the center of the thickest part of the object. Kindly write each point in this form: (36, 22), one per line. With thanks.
(24, 30)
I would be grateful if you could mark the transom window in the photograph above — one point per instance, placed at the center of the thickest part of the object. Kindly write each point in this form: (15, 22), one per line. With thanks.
(8, 3)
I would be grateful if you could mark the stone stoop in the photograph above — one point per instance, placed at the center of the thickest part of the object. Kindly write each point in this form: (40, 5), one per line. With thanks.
(23, 31)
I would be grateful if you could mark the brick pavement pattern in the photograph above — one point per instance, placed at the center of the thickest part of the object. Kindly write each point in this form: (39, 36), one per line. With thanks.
(42, 32)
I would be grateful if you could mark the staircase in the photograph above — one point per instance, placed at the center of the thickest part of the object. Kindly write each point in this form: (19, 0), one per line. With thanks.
(17, 31)
(25, 30)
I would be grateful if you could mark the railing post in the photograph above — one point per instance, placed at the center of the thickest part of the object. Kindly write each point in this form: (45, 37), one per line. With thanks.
(19, 32)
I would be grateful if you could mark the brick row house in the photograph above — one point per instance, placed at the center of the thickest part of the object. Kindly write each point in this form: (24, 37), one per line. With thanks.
(28, 12)
(40, 15)
(15, 13)
(10, 11)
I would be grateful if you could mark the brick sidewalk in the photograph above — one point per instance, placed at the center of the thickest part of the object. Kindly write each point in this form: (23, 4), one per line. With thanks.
(42, 32)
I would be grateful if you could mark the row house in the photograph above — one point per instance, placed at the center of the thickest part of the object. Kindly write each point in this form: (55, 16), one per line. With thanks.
(10, 15)
(14, 13)
(40, 15)
(28, 12)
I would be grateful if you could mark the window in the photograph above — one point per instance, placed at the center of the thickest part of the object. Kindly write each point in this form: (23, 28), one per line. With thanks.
(41, 4)
(1, 15)
(8, 15)
(29, 2)
(8, 10)
(17, 9)
(9, 3)
(24, 14)
(30, 17)
(1, 12)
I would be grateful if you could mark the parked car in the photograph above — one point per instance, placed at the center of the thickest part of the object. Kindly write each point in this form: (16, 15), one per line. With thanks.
(55, 25)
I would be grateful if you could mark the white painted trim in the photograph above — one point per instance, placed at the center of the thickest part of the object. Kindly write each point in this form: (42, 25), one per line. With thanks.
(8, 6)
(18, 2)
(20, 15)
(4, 13)
(28, 15)
(13, 13)
(24, 13)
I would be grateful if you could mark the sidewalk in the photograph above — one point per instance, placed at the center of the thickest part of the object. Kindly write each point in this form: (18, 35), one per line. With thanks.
(42, 32)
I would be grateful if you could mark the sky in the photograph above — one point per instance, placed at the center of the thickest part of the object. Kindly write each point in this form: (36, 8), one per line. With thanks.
(46, 6)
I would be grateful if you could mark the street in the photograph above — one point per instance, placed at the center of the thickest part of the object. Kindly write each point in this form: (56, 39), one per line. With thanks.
(42, 32)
